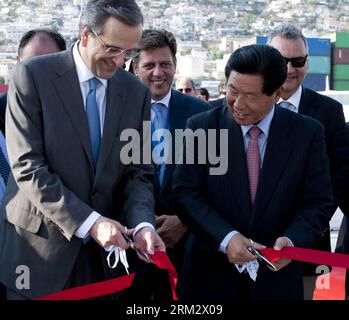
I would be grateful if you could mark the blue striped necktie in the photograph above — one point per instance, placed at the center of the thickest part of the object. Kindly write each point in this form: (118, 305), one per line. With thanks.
(159, 122)
(93, 118)
(4, 167)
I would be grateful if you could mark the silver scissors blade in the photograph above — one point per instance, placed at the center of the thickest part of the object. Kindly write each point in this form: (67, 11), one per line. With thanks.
(133, 246)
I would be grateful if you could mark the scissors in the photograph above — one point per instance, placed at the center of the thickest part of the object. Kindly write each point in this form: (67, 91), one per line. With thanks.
(133, 246)
(261, 257)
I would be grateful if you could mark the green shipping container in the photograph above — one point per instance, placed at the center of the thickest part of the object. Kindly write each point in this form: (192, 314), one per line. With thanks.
(341, 71)
(319, 65)
(340, 85)
(342, 40)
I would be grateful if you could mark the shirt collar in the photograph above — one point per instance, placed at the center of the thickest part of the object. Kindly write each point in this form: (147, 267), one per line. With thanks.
(295, 99)
(84, 73)
(165, 100)
(264, 124)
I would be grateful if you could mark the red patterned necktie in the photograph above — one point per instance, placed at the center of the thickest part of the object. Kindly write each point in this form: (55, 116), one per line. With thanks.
(253, 160)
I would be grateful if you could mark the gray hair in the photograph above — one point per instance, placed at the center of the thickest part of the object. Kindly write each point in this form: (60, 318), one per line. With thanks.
(96, 12)
(287, 31)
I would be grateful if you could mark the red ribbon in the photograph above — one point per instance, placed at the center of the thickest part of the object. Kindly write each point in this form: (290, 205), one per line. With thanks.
(107, 287)
(307, 255)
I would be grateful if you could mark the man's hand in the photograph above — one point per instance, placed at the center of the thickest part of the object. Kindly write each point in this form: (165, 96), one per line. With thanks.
(237, 249)
(170, 229)
(280, 243)
(107, 232)
(148, 241)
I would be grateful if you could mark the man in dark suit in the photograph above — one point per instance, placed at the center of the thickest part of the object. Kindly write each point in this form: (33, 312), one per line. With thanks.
(69, 191)
(276, 192)
(290, 41)
(156, 67)
(342, 245)
(35, 42)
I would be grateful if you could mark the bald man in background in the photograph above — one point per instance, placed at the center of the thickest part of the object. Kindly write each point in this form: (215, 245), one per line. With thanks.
(35, 42)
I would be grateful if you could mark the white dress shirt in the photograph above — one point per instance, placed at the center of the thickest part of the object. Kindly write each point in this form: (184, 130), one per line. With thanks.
(295, 99)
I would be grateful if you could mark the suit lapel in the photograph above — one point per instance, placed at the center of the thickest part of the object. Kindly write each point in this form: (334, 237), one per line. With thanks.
(115, 107)
(237, 172)
(68, 88)
(279, 146)
(307, 104)
(177, 120)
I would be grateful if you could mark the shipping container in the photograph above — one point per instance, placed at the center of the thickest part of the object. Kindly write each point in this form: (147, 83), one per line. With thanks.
(342, 40)
(315, 82)
(340, 71)
(340, 85)
(319, 65)
(317, 46)
(340, 56)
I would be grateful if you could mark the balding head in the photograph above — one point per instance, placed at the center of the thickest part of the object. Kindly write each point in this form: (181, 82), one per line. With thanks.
(187, 86)
(39, 42)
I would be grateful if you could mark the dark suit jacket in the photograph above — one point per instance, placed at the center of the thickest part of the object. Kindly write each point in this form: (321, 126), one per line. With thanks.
(294, 199)
(181, 108)
(342, 245)
(3, 102)
(216, 103)
(330, 113)
(54, 186)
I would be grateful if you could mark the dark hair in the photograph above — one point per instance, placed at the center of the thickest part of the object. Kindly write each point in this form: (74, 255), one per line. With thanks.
(204, 92)
(153, 39)
(96, 12)
(261, 60)
(44, 34)
(287, 31)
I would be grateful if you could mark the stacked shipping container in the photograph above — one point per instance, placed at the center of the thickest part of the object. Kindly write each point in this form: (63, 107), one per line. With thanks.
(340, 60)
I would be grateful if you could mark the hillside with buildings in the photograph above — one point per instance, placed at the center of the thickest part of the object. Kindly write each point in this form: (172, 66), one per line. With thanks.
(207, 30)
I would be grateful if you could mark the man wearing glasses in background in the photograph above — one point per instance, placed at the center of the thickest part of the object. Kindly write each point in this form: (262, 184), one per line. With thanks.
(186, 86)
(70, 197)
(292, 44)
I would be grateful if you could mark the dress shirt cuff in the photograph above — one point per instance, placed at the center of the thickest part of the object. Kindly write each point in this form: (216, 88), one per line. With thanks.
(83, 230)
(224, 243)
(141, 226)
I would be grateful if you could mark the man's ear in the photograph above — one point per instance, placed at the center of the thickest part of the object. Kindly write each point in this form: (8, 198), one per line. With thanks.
(84, 35)
(134, 68)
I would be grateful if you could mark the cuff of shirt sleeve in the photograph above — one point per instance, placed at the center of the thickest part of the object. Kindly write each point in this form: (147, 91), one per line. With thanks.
(141, 226)
(224, 243)
(83, 230)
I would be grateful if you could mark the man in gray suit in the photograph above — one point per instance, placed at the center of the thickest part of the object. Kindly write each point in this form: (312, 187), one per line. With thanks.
(69, 196)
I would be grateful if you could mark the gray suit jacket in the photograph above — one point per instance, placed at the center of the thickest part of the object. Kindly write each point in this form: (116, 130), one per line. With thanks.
(54, 187)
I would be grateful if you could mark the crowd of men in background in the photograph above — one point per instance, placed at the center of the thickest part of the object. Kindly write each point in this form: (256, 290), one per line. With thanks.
(68, 200)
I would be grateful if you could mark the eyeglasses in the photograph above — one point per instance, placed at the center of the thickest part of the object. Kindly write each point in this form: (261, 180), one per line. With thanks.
(297, 62)
(186, 90)
(115, 51)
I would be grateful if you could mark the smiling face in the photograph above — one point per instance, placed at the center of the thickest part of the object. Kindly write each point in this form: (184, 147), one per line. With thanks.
(246, 100)
(291, 48)
(113, 34)
(156, 69)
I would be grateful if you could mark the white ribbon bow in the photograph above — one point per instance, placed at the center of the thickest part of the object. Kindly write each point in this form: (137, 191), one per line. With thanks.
(120, 254)
(251, 267)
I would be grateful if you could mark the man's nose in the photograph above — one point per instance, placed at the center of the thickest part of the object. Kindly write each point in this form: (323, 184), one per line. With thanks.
(290, 68)
(157, 71)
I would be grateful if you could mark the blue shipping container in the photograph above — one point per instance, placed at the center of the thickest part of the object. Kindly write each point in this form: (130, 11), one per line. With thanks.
(317, 46)
(315, 82)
